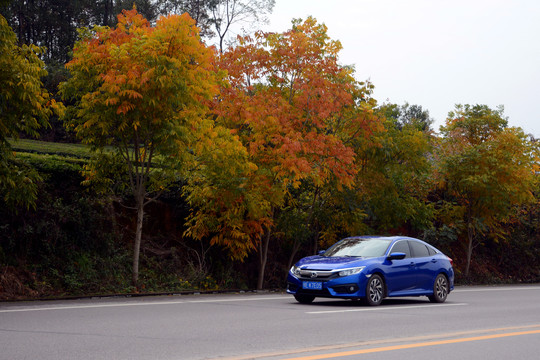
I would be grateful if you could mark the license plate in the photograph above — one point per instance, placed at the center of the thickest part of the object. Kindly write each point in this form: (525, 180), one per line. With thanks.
(312, 285)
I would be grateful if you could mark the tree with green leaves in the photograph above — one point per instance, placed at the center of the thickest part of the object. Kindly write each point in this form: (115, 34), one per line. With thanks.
(52, 24)
(408, 115)
(25, 107)
(142, 92)
(395, 178)
(486, 168)
(199, 10)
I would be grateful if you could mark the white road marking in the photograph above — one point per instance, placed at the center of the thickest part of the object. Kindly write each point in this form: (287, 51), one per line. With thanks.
(95, 306)
(383, 308)
(256, 298)
(505, 288)
(235, 300)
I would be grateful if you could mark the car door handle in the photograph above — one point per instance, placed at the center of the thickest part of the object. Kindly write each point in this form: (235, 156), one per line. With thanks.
(433, 260)
(412, 264)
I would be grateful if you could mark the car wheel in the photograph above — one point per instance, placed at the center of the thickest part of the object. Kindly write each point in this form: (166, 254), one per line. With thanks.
(440, 289)
(304, 299)
(374, 290)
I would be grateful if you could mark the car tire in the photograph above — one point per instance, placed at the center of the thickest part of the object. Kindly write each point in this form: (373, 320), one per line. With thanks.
(304, 299)
(374, 290)
(440, 289)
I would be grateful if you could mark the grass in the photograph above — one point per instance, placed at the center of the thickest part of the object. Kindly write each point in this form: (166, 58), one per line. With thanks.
(51, 148)
(74, 153)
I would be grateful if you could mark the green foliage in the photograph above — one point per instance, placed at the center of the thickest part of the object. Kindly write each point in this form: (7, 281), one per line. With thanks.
(64, 242)
(396, 175)
(486, 168)
(24, 108)
(408, 115)
(224, 206)
(18, 181)
(53, 23)
(24, 105)
(71, 244)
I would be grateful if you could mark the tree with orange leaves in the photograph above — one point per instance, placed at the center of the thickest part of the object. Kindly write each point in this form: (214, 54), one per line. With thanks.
(141, 90)
(289, 102)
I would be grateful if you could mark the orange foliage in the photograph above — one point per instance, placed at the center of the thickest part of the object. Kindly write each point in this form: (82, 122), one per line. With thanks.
(285, 91)
(295, 109)
(144, 91)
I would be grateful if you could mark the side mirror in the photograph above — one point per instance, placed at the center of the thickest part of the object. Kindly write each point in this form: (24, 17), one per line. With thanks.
(397, 256)
(321, 252)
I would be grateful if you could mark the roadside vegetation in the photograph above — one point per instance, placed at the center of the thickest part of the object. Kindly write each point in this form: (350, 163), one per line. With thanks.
(186, 168)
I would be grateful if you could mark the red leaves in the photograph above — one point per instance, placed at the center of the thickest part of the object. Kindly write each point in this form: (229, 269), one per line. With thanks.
(286, 88)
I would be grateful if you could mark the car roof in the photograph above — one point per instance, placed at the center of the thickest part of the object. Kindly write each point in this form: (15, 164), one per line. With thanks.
(382, 237)
(392, 239)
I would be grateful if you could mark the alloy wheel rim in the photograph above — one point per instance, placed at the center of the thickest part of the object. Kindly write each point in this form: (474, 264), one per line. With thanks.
(375, 290)
(441, 287)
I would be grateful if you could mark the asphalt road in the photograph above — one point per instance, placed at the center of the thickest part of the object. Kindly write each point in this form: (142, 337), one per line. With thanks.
(475, 323)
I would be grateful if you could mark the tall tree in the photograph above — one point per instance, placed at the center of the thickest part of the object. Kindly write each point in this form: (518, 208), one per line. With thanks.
(147, 8)
(395, 177)
(25, 107)
(408, 115)
(218, 18)
(486, 166)
(245, 13)
(199, 10)
(332, 211)
(53, 24)
(48, 24)
(287, 93)
(141, 90)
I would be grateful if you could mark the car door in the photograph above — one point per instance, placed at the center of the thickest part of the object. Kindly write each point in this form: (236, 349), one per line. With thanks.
(401, 274)
(425, 265)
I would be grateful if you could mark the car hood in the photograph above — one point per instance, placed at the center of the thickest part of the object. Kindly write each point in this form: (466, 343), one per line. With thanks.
(331, 263)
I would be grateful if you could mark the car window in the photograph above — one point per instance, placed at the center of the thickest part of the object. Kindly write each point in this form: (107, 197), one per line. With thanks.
(359, 247)
(419, 249)
(432, 251)
(403, 247)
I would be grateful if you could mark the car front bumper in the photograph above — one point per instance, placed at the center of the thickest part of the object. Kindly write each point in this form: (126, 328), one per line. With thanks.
(348, 287)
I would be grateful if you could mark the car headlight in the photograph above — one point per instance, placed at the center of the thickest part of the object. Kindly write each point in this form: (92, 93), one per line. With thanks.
(295, 271)
(351, 271)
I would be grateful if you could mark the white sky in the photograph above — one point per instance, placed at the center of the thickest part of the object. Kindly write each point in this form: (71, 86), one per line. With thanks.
(437, 53)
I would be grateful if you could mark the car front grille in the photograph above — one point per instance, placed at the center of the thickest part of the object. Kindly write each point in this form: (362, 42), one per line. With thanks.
(308, 274)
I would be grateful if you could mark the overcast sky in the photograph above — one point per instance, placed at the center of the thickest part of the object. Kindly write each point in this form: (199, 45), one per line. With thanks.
(437, 53)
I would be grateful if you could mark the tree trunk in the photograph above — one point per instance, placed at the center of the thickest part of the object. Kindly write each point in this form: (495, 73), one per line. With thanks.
(221, 43)
(108, 9)
(296, 247)
(138, 236)
(263, 257)
(470, 236)
(309, 226)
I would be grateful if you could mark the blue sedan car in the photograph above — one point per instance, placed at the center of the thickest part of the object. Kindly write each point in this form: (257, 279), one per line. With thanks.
(372, 268)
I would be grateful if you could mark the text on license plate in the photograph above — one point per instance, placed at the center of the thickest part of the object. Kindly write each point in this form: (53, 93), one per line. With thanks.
(312, 285)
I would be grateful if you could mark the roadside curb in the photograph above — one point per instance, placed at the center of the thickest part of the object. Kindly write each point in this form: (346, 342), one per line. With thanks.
(152, 294)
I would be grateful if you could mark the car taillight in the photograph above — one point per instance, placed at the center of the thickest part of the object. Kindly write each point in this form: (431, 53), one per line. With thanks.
(451, 261)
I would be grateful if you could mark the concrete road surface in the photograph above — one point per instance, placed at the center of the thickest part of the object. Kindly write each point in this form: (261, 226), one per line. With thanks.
(475, 323)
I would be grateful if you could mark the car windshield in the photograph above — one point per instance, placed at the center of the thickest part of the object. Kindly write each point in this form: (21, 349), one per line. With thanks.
(365, 247)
